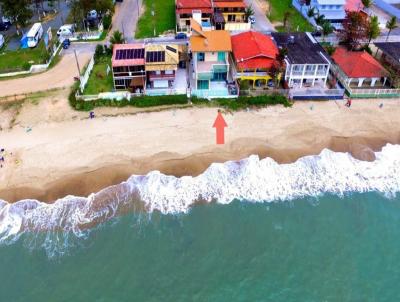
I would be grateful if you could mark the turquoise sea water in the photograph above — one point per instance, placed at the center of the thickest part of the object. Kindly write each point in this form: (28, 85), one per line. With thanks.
(325, 249)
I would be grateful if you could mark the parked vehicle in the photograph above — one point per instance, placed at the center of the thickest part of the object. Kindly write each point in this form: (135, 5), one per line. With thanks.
(180, 36)
(6, 21)
(66, 43)
(66, 30)
(92, 15)
(4, 26)
(1, 41)
(252, 19)
(34, 35)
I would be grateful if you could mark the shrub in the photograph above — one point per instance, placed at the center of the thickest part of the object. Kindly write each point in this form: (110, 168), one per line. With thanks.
(99, 51)
(107, 21)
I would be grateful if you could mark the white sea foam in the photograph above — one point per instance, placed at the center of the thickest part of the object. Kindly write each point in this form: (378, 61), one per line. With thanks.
(250, 179)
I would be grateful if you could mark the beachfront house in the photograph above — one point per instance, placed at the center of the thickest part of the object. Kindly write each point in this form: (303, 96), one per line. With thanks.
(333, 10)
(254, 57)
(230, 15)
(128, 67)
(210, 69)
(358, 69)
(200, 10)
(161, 64)
(389, 54)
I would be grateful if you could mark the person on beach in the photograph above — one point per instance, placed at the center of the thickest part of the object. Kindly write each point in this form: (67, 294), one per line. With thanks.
(348, 103)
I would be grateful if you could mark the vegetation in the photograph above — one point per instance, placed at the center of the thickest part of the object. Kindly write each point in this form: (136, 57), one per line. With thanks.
(117, 38)
(282, 10)
(355, 29)
(23, 59)
(162, 19)
(391, 24)
(249, 11)
(99, 81)
(17, 10)
(243, 102)
(373, 30)
(79, 9)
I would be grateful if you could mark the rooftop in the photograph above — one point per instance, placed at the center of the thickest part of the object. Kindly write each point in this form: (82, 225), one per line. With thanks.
(358, 64)
(390, 48)
(253, 49)
(302, 48)
(209, 41)
(223, 4)
(193, 4)
(128, 54)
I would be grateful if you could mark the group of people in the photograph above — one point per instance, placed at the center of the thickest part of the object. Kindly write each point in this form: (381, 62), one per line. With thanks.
(2, 157)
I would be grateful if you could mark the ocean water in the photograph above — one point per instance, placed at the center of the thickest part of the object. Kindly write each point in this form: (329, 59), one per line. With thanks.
(326, 228)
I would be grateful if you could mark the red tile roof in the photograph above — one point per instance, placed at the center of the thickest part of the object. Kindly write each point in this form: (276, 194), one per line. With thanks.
(230, 4)
(189, 11)
(193, 4)
(127, 62)
(358, 64)
(353, 5)
(254, 50)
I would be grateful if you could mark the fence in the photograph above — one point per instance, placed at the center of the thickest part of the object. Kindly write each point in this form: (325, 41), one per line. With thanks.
(373, 93)
(85, 77)
(34, 68)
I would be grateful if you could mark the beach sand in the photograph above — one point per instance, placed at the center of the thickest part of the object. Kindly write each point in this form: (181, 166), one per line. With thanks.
(65, 153)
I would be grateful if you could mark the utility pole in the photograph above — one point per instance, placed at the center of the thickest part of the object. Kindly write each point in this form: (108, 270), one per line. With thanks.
(77, 65)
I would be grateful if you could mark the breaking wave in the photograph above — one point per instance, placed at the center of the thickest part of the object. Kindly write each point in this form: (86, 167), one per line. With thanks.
(250, 179)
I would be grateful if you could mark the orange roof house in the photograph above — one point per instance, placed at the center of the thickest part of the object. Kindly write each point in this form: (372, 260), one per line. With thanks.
(209, 41)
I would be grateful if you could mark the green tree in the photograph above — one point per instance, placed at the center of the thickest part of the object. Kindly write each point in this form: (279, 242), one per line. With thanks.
(319, 19)
(390, 25)
(327, 28)
(367, 3)
(311, 12)
(286, 17)
(355, 29)
(18, 10)
(373, 30)
(117, 38)
(249, 11)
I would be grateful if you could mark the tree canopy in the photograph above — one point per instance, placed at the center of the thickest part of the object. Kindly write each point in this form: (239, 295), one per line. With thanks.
(18, 10)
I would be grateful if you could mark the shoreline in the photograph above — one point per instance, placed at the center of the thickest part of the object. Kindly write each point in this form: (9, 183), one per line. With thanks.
(76, 156)
(84, 183)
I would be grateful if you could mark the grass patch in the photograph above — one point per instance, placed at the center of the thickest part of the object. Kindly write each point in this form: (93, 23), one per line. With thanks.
(244, 102)
(163, 19)
(296, 20)
(99, 81)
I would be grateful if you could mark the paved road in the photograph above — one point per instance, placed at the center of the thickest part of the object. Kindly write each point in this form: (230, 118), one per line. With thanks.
(262, 23)
(61, 75)
(126, 17)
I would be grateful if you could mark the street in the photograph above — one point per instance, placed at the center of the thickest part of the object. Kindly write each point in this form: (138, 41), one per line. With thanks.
(126, 16)
(262, 23)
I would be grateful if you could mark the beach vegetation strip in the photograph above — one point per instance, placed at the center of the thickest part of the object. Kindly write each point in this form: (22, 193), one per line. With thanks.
(283, 13)
(158, 17)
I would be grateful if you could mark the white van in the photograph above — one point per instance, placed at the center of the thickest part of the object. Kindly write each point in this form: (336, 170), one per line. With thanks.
(66, 30)
(35, 34)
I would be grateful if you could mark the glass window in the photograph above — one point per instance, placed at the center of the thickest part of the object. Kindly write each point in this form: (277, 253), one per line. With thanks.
(221, 56)
(202, 84)
(200, 56)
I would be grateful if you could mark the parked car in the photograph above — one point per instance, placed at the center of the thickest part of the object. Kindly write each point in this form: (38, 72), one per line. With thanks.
(180, 36)
(34, 34)
(4, 26)
(6, 20)
(65, 30)
(1, 41)
(66, 43)
(92, 15)
(252, 19)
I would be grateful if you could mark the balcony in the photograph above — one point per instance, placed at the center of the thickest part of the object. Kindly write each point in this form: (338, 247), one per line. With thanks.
(161, 76)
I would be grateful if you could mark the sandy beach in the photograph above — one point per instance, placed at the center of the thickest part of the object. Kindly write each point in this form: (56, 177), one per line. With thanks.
(53, 151)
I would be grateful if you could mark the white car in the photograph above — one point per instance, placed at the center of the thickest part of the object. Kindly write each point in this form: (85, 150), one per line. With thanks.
(65, 30)
(252, 19)
(1, 41)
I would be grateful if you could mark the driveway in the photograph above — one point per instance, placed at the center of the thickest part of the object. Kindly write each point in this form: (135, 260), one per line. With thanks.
(126, 16)
(262, 23)
(61, 75)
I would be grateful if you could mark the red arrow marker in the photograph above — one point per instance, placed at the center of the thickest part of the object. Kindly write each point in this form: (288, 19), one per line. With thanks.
(220, 125)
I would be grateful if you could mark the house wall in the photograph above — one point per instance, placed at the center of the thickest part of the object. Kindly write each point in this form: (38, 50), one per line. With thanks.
(208, 57)
(296, 74)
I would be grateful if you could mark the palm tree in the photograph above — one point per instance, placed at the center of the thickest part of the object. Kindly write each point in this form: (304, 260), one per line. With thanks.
(117, 38)
(373, 29)
(311, 12)
(286, 17)
(249, 11)
(367, 4)
(390, 25)
(319, 19)
(327, 28)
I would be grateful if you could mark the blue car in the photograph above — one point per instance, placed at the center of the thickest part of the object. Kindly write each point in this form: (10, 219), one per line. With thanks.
(180, 36)
(66, 43)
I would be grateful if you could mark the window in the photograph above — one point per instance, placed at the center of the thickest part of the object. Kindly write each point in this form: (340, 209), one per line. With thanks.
(221, 56)
(202, 84)
(231, 18)
(219, 76)
(169, 72)
(200, 56)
